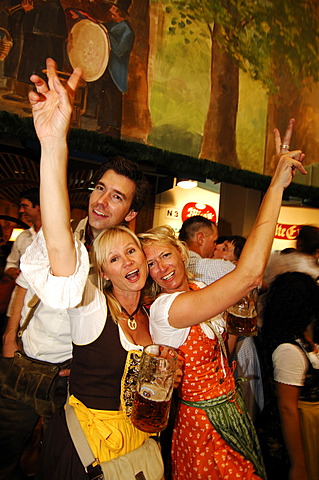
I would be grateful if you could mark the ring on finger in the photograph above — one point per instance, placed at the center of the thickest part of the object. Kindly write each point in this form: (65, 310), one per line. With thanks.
(285, 146)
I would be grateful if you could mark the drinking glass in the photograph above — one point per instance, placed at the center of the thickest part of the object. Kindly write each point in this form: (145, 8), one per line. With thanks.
(241, 318)
(154, 388)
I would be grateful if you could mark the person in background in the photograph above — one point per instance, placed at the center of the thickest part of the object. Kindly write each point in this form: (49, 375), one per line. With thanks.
(200, 235)
(289, 424)
(243, 349)
(229, 247)
(114, 81)
(31, 213)
(233, 246)
(303, 259)
(219, 248)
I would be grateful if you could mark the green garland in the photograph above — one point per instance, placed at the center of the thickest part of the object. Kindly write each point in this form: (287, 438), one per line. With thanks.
(87, 144)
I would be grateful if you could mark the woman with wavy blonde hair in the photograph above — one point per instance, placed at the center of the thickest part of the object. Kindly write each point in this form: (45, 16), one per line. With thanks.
(214, 437)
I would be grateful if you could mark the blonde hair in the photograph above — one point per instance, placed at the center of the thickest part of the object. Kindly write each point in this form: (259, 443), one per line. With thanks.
(164, 235)
(102, 246)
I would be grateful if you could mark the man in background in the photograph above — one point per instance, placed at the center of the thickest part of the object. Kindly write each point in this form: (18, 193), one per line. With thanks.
(200, 235)
(31, 213)
(113, 83)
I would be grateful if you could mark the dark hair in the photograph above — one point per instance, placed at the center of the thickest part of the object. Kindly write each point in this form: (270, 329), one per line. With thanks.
(290, 305)
(308, 239)
(32, 195)
(238, 241)
(192, 225)
(287, 250)
(221, 239)
(127, 168)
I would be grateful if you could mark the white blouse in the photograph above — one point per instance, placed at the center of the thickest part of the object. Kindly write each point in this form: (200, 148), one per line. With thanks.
(290, 364)
(162, 332)
(85, 303)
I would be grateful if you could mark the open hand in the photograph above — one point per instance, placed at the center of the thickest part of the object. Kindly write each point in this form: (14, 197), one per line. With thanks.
(52, 103)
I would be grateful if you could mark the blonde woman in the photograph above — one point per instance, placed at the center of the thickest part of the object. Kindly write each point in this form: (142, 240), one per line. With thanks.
(108, 325)
(214, 437)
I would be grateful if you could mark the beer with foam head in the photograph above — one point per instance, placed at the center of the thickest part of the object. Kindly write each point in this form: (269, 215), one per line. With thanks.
(154, 388)
(241, 318)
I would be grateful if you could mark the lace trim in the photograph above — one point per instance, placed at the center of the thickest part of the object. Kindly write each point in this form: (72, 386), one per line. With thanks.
(129, 379)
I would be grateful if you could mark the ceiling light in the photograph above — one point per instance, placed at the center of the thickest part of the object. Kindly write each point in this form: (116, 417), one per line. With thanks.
(187, 184)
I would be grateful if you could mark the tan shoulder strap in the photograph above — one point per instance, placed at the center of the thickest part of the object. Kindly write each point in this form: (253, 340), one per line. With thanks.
(32, 304)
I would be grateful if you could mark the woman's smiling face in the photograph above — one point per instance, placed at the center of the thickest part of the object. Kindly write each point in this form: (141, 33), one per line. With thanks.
(166, 266)
(125, 265)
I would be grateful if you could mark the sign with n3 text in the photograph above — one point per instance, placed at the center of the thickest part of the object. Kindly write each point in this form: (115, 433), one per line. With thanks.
(287, 232)
(172, 213)
(192, 208)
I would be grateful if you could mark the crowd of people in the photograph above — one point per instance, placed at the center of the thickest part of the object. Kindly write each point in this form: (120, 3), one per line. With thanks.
(96, 294)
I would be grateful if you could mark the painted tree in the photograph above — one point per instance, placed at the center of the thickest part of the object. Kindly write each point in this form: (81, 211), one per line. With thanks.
(136, 115)
(295, 68)
(275, 42)
(219, 135)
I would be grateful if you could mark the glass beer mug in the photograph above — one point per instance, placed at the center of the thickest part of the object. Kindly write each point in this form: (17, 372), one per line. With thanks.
(241, 318)
(155, 383)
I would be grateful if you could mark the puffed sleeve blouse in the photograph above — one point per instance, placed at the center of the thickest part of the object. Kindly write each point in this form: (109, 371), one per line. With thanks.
(85, 303)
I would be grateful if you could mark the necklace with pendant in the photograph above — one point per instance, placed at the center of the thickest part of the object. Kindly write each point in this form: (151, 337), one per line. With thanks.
(131, 320)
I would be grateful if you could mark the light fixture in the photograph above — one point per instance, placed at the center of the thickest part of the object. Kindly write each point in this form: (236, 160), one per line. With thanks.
(185, 183)
(15, 232)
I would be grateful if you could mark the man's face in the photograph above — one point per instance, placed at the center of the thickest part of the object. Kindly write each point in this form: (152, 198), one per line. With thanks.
(208, 241)
(219, 252)
(229, 248)
(110, 202)
(115, 14)
(29, 213)
(225, 251)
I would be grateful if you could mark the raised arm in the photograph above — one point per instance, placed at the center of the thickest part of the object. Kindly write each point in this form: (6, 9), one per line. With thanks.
(191, 308)
(52, 109)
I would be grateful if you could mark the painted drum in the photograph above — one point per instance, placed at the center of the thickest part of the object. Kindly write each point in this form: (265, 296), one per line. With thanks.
(89, 49)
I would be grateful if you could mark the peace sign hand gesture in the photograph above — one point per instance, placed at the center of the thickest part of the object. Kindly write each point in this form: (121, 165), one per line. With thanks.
(288, 162)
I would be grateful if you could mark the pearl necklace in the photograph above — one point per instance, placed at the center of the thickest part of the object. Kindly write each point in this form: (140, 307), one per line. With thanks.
(131, 320)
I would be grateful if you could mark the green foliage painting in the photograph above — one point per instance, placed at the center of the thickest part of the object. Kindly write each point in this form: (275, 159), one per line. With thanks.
(206, 78)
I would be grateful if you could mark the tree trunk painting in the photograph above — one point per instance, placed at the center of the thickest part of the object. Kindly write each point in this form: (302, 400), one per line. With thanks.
(136, 121)
(300, 102)
(219, 136)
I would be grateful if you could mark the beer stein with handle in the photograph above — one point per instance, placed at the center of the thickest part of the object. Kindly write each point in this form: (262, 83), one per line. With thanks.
(155, 383)
(241, 318)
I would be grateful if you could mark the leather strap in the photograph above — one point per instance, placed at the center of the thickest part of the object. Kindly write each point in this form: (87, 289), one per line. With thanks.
(32, 304)
(79, 440)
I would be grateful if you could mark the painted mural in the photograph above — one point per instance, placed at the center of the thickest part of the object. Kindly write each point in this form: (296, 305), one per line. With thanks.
(208, 79)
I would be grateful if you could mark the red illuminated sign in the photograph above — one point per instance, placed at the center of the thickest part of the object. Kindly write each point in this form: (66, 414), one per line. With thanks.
(192, 208)
(287, 232)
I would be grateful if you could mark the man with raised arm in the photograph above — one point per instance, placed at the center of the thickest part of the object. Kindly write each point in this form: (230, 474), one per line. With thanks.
(120, 192)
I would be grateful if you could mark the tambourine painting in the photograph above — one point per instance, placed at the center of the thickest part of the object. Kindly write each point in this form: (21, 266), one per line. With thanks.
(89, 49)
